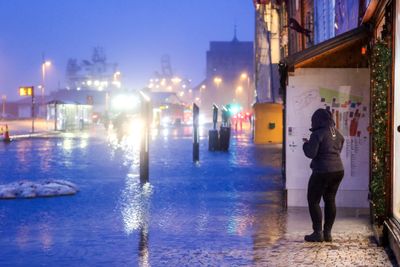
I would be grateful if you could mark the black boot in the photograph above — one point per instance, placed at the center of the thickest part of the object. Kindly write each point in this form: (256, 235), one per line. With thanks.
(327, 236)
(314, 237)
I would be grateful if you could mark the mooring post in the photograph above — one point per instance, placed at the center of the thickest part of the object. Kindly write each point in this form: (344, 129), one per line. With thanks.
(196, 146)
(215, 116)
(33, 109)
(144, 142)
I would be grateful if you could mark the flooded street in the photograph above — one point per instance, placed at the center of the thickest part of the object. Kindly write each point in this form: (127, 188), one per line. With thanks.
(222, 206)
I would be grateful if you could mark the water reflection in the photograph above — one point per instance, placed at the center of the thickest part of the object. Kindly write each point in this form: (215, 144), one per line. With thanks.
(135, 209)
(135, 202)
(67, 144)
(84, 143)
(45, 155)
(22, 156)
(144, 252)
(270, 224)
(165, 133)
(239, 224)
(46, 236)
(22, 237)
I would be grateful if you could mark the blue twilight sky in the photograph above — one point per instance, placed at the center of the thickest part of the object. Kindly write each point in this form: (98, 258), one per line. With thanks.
(133, 33)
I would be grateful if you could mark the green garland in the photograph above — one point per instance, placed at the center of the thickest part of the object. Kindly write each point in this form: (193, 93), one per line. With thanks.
(380, 77)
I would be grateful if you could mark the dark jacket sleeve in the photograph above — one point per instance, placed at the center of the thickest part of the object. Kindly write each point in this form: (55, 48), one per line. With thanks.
(311, 147)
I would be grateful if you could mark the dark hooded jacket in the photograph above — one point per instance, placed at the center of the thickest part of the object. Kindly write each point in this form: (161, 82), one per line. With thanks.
(325, 143)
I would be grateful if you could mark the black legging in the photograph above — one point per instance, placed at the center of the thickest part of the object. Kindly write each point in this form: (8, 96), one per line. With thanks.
(323, 185)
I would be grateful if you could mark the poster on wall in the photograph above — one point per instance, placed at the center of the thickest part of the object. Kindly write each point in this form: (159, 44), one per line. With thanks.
(344, 92)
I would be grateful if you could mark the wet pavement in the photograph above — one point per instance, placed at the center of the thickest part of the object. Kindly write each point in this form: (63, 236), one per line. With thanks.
(225, 211)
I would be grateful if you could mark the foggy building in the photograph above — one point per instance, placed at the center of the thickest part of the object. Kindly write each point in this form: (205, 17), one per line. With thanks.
(228, 74)
(95, 74)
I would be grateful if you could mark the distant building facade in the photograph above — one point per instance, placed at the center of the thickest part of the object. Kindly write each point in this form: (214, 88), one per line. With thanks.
(230, 70)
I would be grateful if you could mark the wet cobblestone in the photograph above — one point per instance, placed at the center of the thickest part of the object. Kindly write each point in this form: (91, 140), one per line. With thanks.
(348, 249)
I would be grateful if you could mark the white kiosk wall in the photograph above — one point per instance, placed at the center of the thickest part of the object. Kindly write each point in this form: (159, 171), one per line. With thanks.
(346, 93)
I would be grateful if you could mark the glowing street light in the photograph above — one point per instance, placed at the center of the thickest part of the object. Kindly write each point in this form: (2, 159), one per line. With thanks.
(217, 81)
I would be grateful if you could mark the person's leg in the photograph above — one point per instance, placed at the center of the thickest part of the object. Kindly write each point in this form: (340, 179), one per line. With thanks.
(314, 194)
(329, 195)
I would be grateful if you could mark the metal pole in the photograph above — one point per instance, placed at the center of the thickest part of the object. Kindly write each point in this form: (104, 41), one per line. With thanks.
(215, 116)
(144, 144)
(248, 94)
(43, 80)
(196, 146)
(4, 97)
(33, 110)
(55, 116)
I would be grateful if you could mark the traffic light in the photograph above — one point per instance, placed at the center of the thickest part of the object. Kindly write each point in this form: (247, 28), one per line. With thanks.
(234, 108)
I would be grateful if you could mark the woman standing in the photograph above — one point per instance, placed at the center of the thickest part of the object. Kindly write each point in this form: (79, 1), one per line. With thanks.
(324, 148)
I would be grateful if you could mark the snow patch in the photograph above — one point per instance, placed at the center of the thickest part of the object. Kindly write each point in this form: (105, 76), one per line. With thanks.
(28, 189)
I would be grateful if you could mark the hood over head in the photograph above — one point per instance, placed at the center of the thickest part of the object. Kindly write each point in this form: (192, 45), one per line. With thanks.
(321, 118)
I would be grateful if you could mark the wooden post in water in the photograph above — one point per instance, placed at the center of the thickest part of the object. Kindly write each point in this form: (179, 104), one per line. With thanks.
(196, 146)
(145, 137)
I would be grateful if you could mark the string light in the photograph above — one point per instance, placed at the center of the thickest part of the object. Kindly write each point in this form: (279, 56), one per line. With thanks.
(380, 69)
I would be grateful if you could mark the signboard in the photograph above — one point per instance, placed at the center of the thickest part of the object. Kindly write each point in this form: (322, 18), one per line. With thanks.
(26, 91)
(345, 92)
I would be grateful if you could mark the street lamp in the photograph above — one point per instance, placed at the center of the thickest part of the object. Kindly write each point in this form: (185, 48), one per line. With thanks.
(45, 64)
(245, 77)
(202, 88)
(3, 98)
(218, 81)
(239, 89)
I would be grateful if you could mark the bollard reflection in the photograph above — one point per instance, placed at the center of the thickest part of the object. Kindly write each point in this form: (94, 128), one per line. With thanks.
(144, 247)
(135, 202)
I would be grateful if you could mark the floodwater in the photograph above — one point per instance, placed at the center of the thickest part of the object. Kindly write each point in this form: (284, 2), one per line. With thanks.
(217, 212)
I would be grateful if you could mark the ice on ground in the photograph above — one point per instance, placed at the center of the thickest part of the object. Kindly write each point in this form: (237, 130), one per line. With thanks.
(28, 189)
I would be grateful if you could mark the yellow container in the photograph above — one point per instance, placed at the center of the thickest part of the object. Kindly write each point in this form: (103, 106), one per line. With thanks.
(268, 123)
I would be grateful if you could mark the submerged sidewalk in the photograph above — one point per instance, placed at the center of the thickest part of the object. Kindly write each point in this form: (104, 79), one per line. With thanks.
(353, 243)
(279, 241)
(225, 210)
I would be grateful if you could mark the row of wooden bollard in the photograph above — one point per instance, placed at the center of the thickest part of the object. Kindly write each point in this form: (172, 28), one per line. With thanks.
(219, 141)
(144, 143)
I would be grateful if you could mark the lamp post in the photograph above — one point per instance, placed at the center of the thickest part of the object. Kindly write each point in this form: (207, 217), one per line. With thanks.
(202, 88)
(45, 64)
(217, 80)
(245, 77)
(145, 138)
